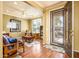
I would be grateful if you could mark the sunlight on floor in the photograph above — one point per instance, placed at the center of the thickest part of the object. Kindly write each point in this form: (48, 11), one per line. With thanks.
(36, 48)
(55, 48)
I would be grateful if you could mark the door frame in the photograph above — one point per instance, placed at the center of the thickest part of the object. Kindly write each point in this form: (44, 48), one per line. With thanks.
(51, 27)
(67, 49)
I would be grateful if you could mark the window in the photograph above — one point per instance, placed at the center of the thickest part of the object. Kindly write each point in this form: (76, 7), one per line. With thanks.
(36, 23)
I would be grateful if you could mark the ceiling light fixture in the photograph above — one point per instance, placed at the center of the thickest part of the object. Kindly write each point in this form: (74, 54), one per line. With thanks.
(15, 3)
(23, 14)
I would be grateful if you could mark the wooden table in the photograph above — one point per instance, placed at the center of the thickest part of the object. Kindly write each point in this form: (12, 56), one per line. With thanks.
(28, 39)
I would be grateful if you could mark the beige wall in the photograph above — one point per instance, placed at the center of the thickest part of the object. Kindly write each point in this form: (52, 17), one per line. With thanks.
(46, 21)
(24, 25)
(76, 26)
(1, 28)
(30, 25)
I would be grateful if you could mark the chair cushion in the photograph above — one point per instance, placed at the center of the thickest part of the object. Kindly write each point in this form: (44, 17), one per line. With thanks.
(6, 41)
(12, 40)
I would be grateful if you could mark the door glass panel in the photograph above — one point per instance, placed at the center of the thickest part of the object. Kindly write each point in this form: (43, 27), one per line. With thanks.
(58, 27)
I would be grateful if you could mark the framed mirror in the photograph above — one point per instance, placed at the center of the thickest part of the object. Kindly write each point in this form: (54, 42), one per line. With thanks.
(15, 25)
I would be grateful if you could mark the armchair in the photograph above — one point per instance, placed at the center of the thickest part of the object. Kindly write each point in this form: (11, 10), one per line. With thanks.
(9, 48)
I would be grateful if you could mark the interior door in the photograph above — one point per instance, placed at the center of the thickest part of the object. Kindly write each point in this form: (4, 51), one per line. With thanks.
(57, 27)
(68, 28)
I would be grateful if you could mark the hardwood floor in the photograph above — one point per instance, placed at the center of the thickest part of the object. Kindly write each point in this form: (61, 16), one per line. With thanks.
(38, 51)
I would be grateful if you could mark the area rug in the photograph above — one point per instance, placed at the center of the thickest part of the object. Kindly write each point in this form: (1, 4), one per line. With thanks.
(55, 48)
(31, 44)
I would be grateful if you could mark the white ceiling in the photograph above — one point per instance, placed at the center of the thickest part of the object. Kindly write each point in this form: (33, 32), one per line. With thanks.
(45, 4)
(24, 10)
(21, 9)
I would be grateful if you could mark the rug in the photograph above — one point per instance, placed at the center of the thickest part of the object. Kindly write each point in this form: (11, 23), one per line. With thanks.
(31, 44)
(55, 48)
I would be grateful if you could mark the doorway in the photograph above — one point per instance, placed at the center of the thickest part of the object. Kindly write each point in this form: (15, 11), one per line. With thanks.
(57, 27)
(61, 28)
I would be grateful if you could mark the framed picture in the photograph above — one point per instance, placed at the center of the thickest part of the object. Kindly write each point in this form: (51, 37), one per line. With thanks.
(18, 25)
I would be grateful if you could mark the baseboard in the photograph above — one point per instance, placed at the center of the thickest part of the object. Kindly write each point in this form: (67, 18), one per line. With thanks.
(45, 43)
(76, 51)
(76, 54)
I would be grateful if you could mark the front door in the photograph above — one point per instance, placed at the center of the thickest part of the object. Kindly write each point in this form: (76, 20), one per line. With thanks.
(57, 27)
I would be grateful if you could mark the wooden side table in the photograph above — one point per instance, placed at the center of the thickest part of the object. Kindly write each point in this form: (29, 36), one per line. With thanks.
(28, 39)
